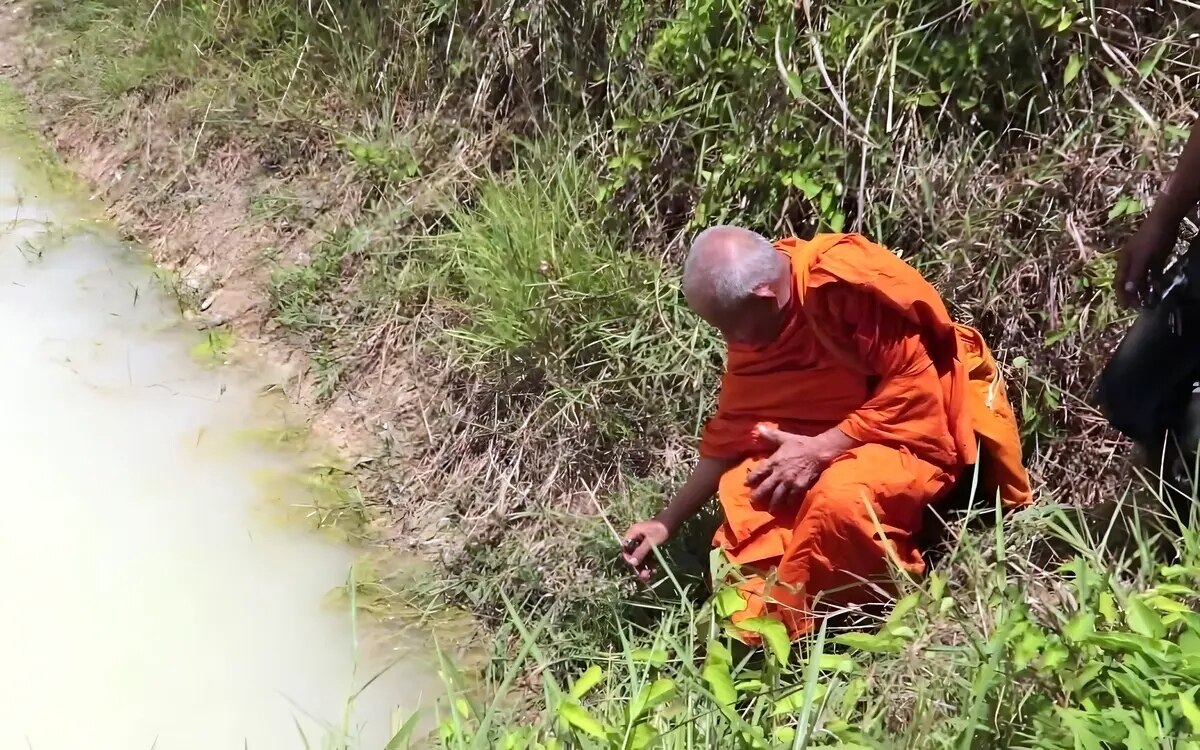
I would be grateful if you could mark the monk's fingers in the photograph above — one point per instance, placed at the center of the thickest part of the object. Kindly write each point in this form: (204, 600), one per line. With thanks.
(783, 494)
(761, 472)
(803, 481)
(766, 488)
(637, 558)
(772, 435)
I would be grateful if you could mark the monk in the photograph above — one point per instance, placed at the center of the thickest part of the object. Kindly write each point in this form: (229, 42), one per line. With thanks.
(850, 403)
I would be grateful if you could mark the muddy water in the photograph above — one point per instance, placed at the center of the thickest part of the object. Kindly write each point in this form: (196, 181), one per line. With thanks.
(151, 596)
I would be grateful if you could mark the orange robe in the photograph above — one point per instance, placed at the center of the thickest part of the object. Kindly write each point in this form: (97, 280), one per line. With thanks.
(869, 348)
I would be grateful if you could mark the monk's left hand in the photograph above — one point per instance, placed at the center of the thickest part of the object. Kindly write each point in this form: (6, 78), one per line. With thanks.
(791, 470)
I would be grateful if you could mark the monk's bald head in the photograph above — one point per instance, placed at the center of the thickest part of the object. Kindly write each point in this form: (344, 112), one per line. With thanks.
(733, 278)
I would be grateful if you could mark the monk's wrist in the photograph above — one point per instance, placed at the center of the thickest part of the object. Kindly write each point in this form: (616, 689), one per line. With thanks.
(832, 444)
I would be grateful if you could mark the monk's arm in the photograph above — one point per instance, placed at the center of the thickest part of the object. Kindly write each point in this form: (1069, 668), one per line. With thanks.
(906, 405)
(699, 488)
(644, 536)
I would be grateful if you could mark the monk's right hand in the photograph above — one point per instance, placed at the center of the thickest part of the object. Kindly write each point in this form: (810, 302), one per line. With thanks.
(638, 543)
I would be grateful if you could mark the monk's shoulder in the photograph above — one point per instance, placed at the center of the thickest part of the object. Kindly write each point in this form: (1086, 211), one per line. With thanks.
(854, 259)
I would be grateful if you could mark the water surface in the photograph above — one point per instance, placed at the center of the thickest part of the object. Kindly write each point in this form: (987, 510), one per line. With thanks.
(150, 599)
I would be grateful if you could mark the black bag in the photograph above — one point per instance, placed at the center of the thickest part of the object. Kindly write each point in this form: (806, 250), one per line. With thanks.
(1147, 390)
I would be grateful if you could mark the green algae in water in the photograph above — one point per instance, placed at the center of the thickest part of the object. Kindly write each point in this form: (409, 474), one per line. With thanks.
(214, 347)
(19, 138)
(322, 498)
(277, 438)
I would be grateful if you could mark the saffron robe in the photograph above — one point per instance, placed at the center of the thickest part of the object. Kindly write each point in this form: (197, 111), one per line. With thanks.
(868, 347)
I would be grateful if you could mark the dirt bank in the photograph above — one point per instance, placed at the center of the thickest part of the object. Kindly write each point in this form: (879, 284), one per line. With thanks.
(219, 221)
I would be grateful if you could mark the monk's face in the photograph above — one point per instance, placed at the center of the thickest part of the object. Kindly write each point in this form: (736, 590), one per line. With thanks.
(755, 321)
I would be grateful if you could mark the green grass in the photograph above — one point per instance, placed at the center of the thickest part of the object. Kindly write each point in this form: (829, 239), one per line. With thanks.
(1040, 635)
(507, 190)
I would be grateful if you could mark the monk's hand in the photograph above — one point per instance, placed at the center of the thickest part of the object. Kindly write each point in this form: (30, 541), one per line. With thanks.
(639, 542)
(794, 467)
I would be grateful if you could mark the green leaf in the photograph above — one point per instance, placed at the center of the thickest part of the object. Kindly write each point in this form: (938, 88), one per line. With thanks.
(793, 702)
(1147, 65)
(403, 737)
(1134, 687)
(837, 222)
(1136, 737)
(514, 740)
(652, 696)
(874, 644)
(1189, 642)
(1113, 78)
(1107, 607)
(1143, 620)
(1081, 680)
(1029, 647)
(808, 187)
(728, 601)
(774, 634)
(588, 680)
(1074, 66)
(1172, 572)
(655, 656)
(578, 717)
(1080, 728)
(463, 707)
(1081, 626)
(903, 607)
(1054, 655)
(1166, 604)
(644, 736)
(1191, 712)
(717, 676)
(795, 85)
(835, 663)
(937, 582)
(1130, 643)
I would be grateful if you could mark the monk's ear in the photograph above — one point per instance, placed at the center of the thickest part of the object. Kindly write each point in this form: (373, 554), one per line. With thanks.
(764, 291)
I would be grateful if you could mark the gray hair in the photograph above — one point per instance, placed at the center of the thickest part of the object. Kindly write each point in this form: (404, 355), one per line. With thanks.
(725, 264)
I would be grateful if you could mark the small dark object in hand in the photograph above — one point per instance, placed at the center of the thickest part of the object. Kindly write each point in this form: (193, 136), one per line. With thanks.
(629, 545)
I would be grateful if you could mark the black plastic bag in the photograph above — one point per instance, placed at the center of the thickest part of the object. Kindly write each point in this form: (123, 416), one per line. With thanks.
(1148, 389)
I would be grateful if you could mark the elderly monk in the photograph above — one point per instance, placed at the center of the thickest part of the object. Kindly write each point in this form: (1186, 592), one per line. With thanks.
(850, 403)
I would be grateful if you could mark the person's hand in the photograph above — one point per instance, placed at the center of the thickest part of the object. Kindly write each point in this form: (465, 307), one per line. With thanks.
(790, 471)
(641, 538)
(1142, 259)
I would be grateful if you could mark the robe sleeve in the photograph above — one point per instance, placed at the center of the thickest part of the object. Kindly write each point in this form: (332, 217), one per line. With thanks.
(725, 437)
(907, 404)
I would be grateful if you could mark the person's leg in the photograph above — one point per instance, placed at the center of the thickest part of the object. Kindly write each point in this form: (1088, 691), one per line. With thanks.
(862, 519)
